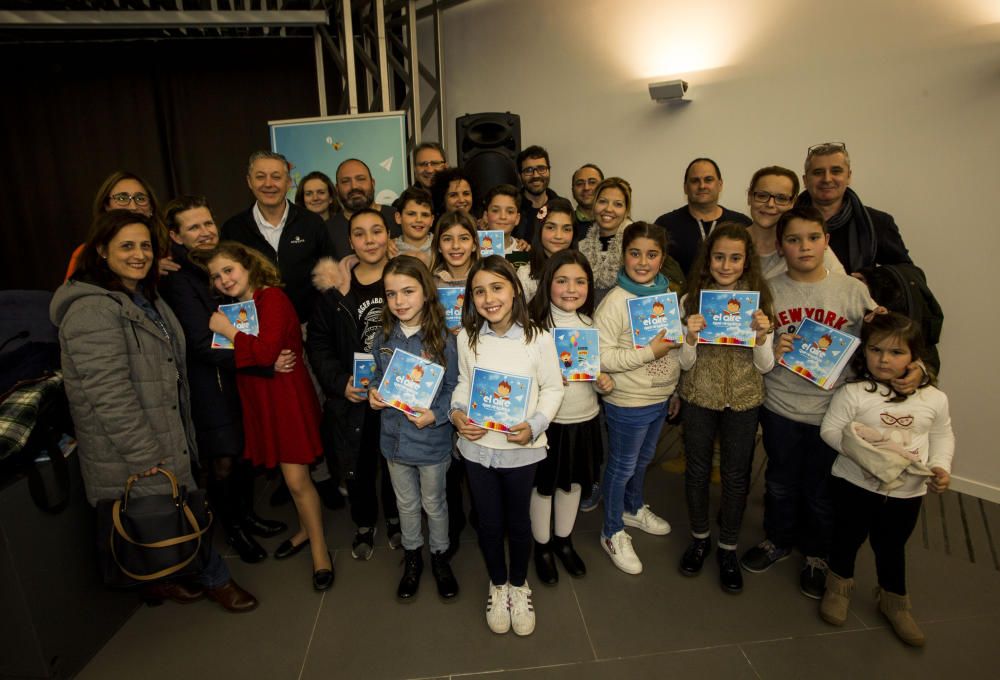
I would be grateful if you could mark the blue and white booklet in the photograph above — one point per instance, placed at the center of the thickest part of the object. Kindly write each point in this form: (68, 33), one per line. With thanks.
(491, 242)
(364, 370)
(579, 353)
(728, 315)
(651, 314)
(452, 300)
(410, 382)
(498, 401)
(820, 354)
(244, 317)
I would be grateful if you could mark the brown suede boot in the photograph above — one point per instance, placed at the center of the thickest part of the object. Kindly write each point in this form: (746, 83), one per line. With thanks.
(836, 599)
(896, 608)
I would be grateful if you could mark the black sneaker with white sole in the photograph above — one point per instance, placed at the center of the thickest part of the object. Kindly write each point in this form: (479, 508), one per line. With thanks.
(363, 546)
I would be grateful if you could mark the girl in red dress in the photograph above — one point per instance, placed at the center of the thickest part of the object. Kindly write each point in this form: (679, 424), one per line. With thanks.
(280, 410)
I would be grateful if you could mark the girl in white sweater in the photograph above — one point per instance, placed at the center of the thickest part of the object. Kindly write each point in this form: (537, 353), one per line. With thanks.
(498, 335)
(645, 379)
(916, 424)
(565, 300)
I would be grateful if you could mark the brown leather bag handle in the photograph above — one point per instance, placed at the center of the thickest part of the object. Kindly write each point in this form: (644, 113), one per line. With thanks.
(132, 479)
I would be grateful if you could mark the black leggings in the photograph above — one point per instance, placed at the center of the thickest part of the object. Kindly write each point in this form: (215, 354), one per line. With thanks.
(502, 497)
(885, 521)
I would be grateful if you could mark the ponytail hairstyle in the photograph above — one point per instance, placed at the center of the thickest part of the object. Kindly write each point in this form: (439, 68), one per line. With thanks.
(432, 315)
(262, 272)
(472, 322)
(540, 306)
(752, 277)
(882, 327)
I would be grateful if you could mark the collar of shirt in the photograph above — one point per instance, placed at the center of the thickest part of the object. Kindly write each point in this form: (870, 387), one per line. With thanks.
(515, 332)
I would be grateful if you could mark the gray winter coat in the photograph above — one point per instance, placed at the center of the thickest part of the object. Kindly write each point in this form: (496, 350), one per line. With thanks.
(127, 389)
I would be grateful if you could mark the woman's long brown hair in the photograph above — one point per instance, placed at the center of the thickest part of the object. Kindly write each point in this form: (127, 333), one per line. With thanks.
(432, 323)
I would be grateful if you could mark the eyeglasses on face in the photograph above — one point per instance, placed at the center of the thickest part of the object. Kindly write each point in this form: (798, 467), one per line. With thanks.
(123, 198)
(763, 197)
(427, 165)
(535, 170)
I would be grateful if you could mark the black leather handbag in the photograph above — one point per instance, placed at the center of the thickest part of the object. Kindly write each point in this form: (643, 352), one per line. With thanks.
(147, 538)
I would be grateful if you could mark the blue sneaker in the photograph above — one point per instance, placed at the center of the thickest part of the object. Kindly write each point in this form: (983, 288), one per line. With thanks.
(588, 504)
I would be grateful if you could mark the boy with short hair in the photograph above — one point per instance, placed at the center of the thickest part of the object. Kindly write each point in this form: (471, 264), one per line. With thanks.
(500, 212)
(798, 510)
(415, 216)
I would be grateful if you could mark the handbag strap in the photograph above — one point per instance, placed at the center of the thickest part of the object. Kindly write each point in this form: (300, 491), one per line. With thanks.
(162, 573)
(174, 491)
(167, 542)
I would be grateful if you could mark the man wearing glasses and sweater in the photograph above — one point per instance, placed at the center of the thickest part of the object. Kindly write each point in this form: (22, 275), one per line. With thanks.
(536, 173)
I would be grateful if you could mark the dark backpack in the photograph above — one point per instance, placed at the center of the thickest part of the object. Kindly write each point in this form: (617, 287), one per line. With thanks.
(903, 288)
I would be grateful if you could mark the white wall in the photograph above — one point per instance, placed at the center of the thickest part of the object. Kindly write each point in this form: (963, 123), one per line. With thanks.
(912, 87)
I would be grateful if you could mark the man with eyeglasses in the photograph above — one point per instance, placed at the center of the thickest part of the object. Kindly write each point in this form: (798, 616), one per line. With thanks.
(356, 190)
(585, 181)
(289, 235)
(861, 236)
(690, 224)
(536, 173)
(428, 160)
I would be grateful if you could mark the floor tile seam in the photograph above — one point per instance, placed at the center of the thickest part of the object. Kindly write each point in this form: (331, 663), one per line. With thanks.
(583, 619)
(749, 663)
(312, 632)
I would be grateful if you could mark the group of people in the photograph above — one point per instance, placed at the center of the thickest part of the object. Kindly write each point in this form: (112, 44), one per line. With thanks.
(333, 275)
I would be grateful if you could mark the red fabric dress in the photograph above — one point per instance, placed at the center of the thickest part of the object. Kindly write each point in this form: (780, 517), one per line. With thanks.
(280, 413)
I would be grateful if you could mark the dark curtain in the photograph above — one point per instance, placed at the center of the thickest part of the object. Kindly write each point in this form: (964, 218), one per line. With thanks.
(182, 114)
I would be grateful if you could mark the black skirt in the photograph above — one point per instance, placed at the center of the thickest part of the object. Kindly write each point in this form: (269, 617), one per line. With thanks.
(570, 458)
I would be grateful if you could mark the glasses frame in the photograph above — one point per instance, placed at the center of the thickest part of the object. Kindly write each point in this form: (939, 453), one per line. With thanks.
(788, 200)
(140, 198)
(540, 170)
(827, 148)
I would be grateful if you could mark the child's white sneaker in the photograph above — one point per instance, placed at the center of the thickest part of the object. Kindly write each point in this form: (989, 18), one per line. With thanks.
(619, 548)
(522, 613)
(498, 608)
(647, 520)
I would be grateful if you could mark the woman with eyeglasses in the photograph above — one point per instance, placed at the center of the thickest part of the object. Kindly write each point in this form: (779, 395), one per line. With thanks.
(771, 194)
(122, 190)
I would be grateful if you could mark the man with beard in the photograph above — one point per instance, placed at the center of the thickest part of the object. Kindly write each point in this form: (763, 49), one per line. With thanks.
(356, 190)
(860, 236)
(536, 173)
(688, 226)
(585, 181)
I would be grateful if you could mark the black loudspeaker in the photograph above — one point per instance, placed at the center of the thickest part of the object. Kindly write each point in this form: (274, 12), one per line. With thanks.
(488, 144)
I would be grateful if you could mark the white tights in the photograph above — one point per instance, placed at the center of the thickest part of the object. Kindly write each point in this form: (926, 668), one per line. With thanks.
(566, 506)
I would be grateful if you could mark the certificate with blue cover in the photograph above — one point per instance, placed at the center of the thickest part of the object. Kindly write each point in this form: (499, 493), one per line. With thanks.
(364, 370)
(820, 353)
(491, 242)
(728, 315)
(651, 314)
(410, 382)
(452, 300)
(579, 353)
(498, 401)
(244, 316)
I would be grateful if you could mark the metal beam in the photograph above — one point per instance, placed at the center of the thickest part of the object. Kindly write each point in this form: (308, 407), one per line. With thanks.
(133, 19)
(352, 77)
(383, 76)
(320, 71)
(415, 117)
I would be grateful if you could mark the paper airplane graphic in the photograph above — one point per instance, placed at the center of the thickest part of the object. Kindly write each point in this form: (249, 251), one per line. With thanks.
(387, 164)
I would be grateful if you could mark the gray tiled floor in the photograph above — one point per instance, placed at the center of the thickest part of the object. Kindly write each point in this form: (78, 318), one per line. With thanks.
(606, 625)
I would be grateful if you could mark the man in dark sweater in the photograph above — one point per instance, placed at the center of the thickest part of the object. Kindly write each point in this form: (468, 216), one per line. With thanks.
(585, 181)
(860, 236)
(293, 238)
(536, 173)
(688, 226)
(356, 191)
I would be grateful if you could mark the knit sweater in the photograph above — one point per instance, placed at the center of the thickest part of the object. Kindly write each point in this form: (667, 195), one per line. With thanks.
(640, 378)
(922, 423)
(536, 359)
(837, 300)
(580, 399)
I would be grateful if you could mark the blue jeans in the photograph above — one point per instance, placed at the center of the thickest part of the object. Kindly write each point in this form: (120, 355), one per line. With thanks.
(632, 436)
(215, 574)
(798, 509)
(416, 486)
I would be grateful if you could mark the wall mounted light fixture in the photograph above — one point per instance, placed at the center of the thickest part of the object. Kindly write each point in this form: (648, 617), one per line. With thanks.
(668, 90)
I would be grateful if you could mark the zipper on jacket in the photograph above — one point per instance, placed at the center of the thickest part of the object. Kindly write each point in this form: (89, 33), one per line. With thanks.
(136, 334)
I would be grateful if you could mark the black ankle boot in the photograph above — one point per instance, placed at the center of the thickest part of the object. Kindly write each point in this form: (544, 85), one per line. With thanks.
(413, 567)
(545, 564)
(265, 528)
(250, 551)
(694, 556)
(563, 548)
(444, 577)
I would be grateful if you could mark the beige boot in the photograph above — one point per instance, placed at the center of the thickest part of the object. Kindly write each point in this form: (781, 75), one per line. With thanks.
(896, 608)
(836, 599)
